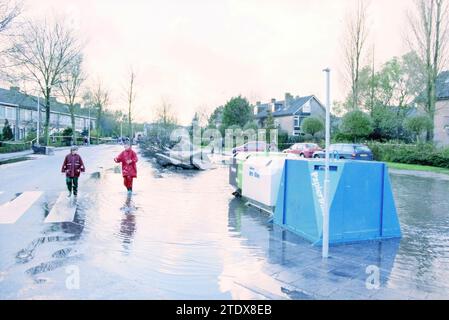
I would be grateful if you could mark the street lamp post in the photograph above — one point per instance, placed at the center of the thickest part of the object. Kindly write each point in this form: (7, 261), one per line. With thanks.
(38, 127)
(88, 130)
(325, 252)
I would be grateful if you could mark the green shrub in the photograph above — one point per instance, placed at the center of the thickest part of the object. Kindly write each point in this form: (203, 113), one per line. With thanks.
(356, 125)
(7, 133)
(312, 126)
(13, 147)
(422, 154)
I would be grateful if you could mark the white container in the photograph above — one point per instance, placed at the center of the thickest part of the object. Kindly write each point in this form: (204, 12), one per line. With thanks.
(261, 179)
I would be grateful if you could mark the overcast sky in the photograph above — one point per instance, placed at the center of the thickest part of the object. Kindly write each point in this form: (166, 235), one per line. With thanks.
(199, 53)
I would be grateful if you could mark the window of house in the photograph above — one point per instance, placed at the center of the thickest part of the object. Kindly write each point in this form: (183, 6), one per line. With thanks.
(2, 112)
(79, 123)
(296, 121)
(307, 108)
(10, 113)
(25, 115)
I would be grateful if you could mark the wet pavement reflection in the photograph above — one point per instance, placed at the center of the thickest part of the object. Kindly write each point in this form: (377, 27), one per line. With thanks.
(182, 235)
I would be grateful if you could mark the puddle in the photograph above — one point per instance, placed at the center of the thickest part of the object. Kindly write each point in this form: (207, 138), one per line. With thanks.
(15, 160)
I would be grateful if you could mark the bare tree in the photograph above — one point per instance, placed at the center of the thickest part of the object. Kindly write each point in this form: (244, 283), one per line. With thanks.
(202, 114)
(165, 115)
(70, 85)
(40, 53)
(131, 96)
(356, 36)
(97, 98)
(9, 10)
(429, 38)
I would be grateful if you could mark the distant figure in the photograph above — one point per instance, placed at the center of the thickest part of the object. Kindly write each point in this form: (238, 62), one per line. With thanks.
(272, 147)
(72, 167)
(86, 141)
(128, 159)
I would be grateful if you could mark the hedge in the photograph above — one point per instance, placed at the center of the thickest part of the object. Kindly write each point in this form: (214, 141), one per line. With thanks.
(13, 147)
(422, 154)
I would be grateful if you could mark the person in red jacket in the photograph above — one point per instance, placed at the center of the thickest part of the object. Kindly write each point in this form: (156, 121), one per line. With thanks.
(72, 167)
(128, 159)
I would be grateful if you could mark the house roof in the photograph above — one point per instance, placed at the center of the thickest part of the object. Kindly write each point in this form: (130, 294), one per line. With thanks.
(293, 106)
(442, 86)
(15, 97)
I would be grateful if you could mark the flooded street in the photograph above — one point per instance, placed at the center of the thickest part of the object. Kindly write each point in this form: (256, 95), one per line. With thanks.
(182, 235)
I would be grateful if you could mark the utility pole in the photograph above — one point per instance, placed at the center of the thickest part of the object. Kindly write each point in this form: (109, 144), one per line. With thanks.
(38, 127)
(88, 128)
(325, 252)
(121, 127)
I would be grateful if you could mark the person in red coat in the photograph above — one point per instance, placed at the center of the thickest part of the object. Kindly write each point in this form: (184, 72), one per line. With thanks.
(72, 167)
(128, 159)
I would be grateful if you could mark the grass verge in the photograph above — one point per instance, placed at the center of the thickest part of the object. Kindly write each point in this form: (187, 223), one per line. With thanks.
(416, 167)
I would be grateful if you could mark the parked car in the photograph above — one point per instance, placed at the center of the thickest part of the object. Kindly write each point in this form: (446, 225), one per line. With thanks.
(252, 146)
(347, 151)
(304, 150)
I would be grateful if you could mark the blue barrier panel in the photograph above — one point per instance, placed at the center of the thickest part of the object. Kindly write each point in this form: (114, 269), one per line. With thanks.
(361, 202)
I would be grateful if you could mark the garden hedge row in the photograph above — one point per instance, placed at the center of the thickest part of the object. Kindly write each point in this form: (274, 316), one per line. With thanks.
(421, 154)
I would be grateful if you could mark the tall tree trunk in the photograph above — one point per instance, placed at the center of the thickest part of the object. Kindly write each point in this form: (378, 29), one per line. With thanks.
(435, 68)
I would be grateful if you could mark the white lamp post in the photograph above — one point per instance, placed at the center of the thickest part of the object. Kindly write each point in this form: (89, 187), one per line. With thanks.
(38, 127)
(88, 130)
(325, 252)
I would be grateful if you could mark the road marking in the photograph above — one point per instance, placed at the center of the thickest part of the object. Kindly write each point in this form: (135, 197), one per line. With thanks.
(62, 211)
(11, 211)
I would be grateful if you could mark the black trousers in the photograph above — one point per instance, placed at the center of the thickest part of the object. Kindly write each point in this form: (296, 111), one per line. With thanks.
(72, 184)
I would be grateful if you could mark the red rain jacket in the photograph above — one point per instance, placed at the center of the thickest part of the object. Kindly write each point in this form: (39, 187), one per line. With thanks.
(128, 170)
(73, 165)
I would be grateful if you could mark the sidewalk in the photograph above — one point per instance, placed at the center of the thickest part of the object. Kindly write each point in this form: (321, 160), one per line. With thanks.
(14, 155)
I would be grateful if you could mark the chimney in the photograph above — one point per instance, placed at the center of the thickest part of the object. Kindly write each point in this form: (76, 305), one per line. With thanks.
(288, 98)
(258, 103)
(15, 89)
(273, 105)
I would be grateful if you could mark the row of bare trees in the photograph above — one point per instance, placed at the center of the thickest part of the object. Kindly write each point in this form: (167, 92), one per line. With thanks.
(428, 38)
(48, 55)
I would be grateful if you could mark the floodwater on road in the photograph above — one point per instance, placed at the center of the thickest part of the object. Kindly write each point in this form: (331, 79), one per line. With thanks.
(182, 235)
